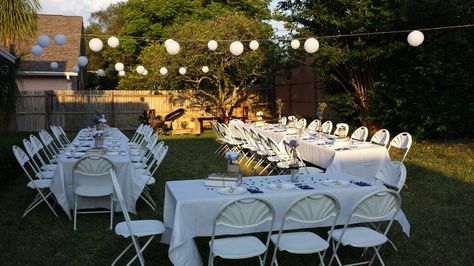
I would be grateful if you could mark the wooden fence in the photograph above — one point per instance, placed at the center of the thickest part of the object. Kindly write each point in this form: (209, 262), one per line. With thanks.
(75, 109)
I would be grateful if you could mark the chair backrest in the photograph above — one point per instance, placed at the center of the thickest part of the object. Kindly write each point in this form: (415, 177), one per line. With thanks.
(34, 155)
(360, 134)
(40, 147)
(301, 123)
(48, 142)
(393, 174)
(92, 170)
(159, 156)
(63, 134)
(119, 196)
(314, 125)
(379, 205)
(341, 125)
(402, 141)
(284, 120)
(24, 161)
(327, 127)
(57, 135)
(247, 212)
(381, 137)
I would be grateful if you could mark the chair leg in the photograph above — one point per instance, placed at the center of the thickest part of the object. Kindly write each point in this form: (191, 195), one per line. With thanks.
(75, 212)
(274, 257)
(112, 210)
(121, 254)
(141, 250)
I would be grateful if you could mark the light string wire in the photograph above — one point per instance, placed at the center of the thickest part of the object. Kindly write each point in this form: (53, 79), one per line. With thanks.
(363, 34)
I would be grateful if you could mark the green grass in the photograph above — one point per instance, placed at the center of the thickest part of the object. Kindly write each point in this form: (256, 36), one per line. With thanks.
(439, 203)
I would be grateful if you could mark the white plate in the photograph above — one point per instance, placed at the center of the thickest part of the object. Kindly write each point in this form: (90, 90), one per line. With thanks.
(335, 183)
(281, 186)
(229, 191)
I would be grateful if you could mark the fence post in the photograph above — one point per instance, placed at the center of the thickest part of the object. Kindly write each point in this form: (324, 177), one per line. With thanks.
(46, 108)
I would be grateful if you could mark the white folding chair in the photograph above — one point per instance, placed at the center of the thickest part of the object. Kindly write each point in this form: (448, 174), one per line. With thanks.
(341, 125)
(57, 135)
(301, 124)
(327, 127)
(402, 141)
(42, 186)
(393, 175)
(379, 206)
(49, 143)
(63, 134)
(313, 209)
(381, 137)
(47, 170)
(240, 214)
(313, 126)
(91, 179)
(134, 229)
(360, 134)
(41, 148)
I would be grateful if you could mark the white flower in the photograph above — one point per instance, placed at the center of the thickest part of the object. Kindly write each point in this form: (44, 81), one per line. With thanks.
(259, 113)
(232, 155)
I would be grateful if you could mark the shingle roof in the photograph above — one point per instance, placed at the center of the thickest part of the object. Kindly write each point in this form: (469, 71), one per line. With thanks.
(66, 55)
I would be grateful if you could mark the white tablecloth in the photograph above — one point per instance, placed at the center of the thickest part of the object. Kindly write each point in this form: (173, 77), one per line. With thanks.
(62, 186)
(362, 159)
(190, 208)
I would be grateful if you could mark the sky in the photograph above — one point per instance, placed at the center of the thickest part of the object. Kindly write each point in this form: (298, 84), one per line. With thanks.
(84, 8)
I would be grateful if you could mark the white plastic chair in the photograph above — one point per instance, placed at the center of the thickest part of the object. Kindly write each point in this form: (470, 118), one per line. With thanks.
(360, 134)
(49, 143)
(402, 141)
(91, 179)
(381, 137)
(314, 125)
(312, 209)
(57, 135)
(301, 124)
(41, 148)
(42, 186)
(341, 125)
(241, 214)
(46, 170)
(379, 206)
(134, 229)
(327, 127)
(393, 175)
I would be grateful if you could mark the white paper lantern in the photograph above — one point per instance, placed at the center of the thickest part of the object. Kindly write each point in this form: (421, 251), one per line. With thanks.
(295, 44)
(311, 45)
(82, 61)
(236, 48)
(96, 45)
(168, 41)
(212, 45)
(205, 69)
(59, 39)
(172, 47)
(100, 72)
(145, 72)
(163, 71)
(54, 65)
(122, 73)
(415, 38)
(75, 69)
(36, 50)
(182, 70)
(119, 67)
(44, 41)
(140, 69)
(254, 45)
(113, 42)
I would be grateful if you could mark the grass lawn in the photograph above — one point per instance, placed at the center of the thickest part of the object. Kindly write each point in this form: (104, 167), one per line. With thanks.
(439, 203)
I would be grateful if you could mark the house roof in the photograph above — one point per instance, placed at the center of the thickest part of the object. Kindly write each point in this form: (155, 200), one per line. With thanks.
(66, 55)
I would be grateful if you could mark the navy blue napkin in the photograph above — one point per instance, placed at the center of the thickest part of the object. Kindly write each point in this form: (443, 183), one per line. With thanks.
(254, 190)
(304, 186)
(361, 184)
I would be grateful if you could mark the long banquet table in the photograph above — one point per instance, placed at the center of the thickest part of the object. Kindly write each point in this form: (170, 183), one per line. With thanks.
(118, 153)
(363, 159)
(190, 208)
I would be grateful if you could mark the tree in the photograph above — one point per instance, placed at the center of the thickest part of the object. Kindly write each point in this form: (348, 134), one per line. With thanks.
(18, 20)
(380, 79)
(230, 79)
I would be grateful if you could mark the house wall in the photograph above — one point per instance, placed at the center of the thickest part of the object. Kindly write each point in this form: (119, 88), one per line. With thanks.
(44, 83)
